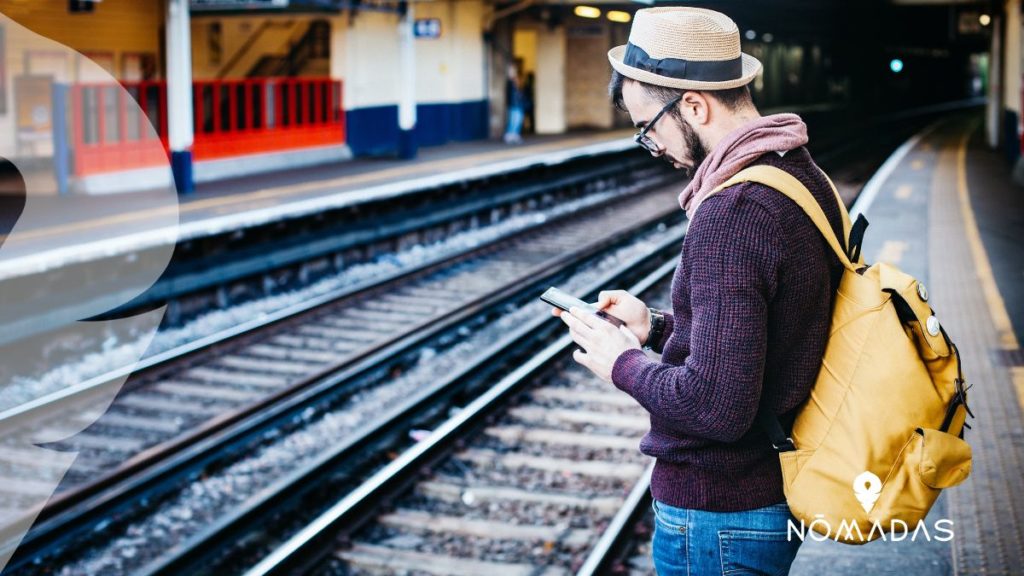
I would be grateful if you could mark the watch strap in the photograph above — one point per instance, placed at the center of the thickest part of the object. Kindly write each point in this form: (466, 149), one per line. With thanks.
(657, 329)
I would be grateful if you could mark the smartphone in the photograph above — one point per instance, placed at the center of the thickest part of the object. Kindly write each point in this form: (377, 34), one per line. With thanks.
(564, 300)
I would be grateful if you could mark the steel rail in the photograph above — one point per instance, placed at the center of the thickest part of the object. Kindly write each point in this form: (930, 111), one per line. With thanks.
(309, 545)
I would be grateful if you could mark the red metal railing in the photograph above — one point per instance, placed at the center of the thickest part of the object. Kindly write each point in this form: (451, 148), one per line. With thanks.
(238, 117)
(110, 133)
(231, 118)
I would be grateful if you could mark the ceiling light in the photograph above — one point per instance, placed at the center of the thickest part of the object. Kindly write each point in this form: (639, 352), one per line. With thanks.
(619, 16)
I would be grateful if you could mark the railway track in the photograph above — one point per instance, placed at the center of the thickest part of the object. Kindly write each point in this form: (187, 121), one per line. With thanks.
(224, 385)
(216, 269)
(538, 475)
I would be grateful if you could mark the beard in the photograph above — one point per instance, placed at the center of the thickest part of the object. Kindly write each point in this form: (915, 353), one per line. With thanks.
(698, 152)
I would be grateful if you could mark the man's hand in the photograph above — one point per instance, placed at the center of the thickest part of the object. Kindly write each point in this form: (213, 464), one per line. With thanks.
(626, 307)
(629, 309)
(600, 340)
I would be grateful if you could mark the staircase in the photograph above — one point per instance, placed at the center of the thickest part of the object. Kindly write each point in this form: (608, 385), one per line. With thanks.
(309, 56)
(271, 37)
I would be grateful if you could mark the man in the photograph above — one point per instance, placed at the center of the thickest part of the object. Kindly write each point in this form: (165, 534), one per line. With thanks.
(515, 101)
(751, 298)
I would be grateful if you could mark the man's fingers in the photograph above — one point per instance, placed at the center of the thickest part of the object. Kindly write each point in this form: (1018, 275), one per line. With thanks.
(583, 359)
(586, 317)
(579, 331)
(580, 338)
(573, 321)
(582, 342)
(594, 322)
(608, 298)
(629, 334)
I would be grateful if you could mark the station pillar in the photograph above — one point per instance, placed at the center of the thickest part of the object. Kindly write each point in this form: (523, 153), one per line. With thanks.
(407, 90)
(994, 96)
(179, 94)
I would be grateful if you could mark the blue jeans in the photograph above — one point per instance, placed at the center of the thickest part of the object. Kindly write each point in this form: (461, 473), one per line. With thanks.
(699, 543)
(515, 121)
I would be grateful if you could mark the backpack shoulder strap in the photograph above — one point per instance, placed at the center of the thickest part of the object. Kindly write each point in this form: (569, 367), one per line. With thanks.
(843, 213)
(853, 232)
(787, 184)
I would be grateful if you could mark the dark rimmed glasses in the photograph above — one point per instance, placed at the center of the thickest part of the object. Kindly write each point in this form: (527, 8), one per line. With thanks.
(643, 139)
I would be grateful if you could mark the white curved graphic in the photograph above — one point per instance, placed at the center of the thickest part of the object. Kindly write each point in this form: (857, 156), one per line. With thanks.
(50, 229)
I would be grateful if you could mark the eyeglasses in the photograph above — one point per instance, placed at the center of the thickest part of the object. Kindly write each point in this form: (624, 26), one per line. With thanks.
(643, 139)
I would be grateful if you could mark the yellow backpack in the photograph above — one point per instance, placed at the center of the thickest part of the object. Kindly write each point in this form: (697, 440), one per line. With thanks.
(881, 433)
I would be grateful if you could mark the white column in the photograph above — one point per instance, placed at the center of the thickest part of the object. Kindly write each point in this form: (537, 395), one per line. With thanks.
(407, 90)
(549, 81)
(179, 93)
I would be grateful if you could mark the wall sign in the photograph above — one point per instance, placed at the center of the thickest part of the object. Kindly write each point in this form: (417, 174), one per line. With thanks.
(427, 28)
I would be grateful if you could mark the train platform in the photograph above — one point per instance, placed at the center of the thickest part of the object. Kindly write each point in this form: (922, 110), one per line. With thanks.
(122, 223)
(945, 209)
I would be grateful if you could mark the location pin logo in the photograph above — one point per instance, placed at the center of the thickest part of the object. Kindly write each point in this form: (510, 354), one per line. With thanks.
(866, 487)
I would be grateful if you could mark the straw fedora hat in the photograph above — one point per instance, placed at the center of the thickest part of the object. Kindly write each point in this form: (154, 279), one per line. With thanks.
(686, 48)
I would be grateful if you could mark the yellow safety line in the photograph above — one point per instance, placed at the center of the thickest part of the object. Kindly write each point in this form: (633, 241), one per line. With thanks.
(1017, 375)
(425, 168)
(892, 251)
(996, 305)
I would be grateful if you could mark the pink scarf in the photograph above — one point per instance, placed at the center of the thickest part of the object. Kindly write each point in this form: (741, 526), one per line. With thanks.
(775, 133)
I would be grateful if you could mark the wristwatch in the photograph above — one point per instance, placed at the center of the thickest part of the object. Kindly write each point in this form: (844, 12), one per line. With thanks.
(657, 328)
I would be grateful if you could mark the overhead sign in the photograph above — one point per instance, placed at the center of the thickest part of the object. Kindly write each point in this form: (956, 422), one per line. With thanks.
(427, 28)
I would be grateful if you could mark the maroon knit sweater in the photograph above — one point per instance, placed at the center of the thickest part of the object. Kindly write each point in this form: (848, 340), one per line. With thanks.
(751, 305)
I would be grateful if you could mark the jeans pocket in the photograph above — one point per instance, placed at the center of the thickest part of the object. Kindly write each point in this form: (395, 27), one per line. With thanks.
(761, 552)
(670, 517)
(669, 546)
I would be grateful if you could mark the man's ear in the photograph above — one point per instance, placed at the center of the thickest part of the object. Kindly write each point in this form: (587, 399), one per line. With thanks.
(696, 107)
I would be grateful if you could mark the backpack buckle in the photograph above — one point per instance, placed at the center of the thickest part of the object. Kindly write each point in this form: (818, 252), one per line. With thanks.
(786, 446)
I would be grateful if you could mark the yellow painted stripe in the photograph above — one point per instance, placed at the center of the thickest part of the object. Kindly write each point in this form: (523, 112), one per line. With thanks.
(917, 164)
(1017, 375)
(892, 251)
(904, 191)
(249, 199)
(996, 305)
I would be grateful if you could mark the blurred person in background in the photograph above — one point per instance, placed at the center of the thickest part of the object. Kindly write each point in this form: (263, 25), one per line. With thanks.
(515, 102)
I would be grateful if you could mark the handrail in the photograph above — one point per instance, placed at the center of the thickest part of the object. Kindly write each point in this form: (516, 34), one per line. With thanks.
(244, 48)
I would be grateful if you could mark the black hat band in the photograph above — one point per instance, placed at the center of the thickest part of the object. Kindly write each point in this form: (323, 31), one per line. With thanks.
(696, 70)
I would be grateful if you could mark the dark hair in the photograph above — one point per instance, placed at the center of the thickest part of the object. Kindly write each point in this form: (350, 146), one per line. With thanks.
(732, 98)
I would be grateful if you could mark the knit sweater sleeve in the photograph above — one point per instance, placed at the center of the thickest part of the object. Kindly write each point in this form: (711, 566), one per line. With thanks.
(732, 260)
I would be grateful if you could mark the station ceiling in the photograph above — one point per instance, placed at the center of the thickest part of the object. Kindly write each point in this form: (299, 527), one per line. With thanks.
(923, 22)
